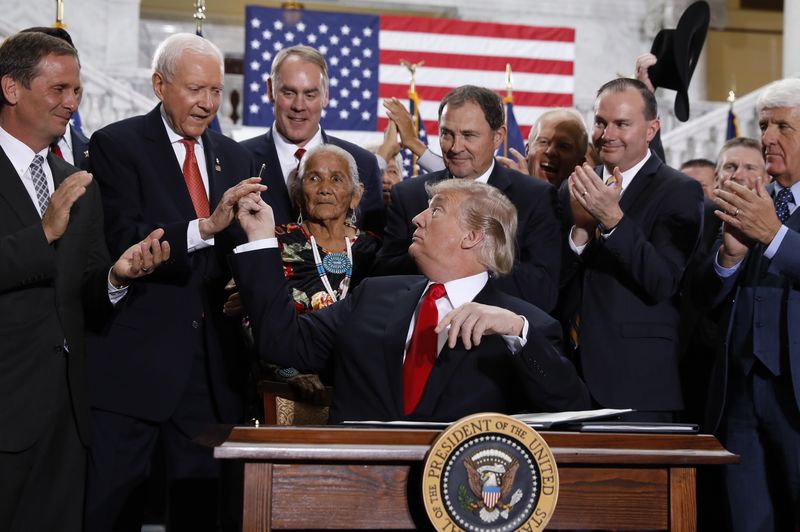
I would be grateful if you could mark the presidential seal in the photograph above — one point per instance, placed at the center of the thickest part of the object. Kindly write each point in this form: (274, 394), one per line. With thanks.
(487, 473)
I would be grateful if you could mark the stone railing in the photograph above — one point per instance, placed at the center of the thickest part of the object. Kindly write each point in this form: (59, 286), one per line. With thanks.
(704, 136)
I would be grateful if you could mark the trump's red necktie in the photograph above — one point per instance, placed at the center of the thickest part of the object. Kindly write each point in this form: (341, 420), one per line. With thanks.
(194, 181)
(421, 354)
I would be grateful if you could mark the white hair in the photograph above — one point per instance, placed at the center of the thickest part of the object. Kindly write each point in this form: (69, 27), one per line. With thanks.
(169, 52)
(781, 93)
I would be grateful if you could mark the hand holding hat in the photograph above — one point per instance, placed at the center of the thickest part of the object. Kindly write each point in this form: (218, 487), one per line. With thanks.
(676, 52)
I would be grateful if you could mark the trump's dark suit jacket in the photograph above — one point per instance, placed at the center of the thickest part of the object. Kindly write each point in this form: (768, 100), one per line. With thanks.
(538, 252)
(44, 291)
(371, 211)
(140, 364)
(626, 286)
(364, 336)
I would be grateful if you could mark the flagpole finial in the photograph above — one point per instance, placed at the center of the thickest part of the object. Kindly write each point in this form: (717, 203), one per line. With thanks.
(509, 81)
(731, 96)
(199, 15)
(59, 23)
(412, 71)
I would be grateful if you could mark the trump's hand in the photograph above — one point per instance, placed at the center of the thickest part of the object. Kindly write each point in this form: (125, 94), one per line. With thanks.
(140, 259)
(256, 217)
(56, 217)
(472, 321)
(224, 213)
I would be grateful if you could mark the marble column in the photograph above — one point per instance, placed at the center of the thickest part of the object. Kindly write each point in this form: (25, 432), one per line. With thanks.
(791, 38)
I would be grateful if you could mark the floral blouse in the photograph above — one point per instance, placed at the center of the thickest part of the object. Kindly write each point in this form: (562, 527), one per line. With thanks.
(300, 270)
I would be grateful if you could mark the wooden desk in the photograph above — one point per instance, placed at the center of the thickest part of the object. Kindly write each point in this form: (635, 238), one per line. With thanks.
(344, 478)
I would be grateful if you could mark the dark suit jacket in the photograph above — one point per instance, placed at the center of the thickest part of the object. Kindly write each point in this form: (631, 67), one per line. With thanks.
(364, 335)
(371, 211)
(140, 364)
(80, 148)
(538, 254)
(626, 286)
(763, 298)
(44, 291)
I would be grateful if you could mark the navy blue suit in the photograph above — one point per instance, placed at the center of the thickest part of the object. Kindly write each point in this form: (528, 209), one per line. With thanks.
(364, 335)
(80, 147)
(371, 211)
(754, 397)
(169, 353)
(534, 277)
(625, 289)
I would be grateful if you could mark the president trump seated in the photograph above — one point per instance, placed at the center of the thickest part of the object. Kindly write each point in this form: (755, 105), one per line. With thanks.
(431, 347)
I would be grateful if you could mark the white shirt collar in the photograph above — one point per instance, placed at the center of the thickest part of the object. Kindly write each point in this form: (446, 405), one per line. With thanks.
(287, 149)
(464, 290)
(484, 178)
(66, 138)
(630, 173)
(19, 153)
(174, 138)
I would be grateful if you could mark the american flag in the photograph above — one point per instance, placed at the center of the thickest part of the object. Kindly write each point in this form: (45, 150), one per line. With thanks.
(410, 166)
(364, 52)
(513, 134)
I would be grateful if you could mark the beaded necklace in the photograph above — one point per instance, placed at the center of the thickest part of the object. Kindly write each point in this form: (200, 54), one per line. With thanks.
(334, 263)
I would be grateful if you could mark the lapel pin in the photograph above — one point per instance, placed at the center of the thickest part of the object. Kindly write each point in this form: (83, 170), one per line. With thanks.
(217, 167)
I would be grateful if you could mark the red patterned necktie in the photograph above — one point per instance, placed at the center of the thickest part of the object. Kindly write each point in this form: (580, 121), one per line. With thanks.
(194, 181)
(56, 150)
(421, 354)
(299, 155)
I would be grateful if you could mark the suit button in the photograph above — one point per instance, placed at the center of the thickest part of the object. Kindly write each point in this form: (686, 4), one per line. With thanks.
(758, 298)
(195, 324)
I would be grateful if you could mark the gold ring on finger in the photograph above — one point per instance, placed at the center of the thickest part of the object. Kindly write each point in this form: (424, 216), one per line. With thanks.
(736, 213)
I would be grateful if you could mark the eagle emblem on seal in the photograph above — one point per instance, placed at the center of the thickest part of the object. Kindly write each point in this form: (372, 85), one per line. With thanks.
(490, 474)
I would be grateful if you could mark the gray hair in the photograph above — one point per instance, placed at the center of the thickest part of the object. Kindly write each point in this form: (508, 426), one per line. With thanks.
(781, 93)
(484, 208)
(169, 52)
(572, 116)
(306, 53)
(295, 183)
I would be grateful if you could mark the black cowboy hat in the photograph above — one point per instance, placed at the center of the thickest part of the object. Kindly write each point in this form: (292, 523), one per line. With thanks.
(677, 52)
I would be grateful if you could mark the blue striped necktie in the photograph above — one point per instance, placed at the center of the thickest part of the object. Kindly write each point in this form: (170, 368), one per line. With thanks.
(40, 183)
